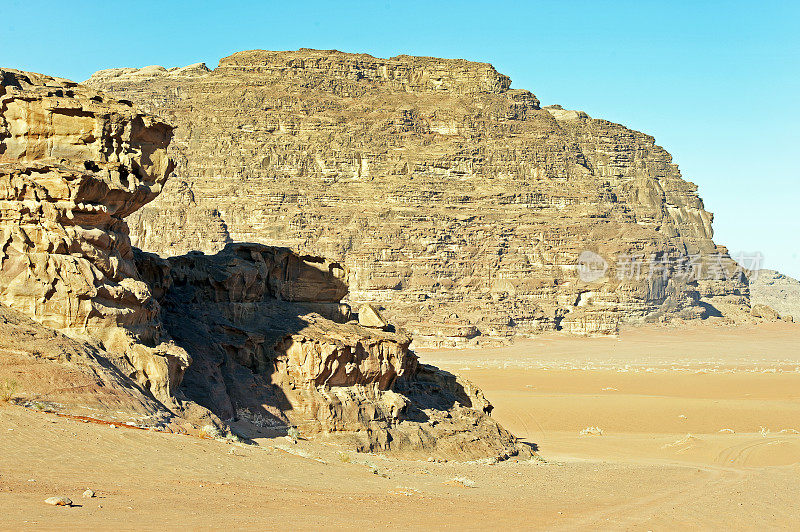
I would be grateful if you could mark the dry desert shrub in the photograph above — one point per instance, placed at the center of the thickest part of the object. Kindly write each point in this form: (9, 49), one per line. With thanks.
(7, 389)
(257, 419)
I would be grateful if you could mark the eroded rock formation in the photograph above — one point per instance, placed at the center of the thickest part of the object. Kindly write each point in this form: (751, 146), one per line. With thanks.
(73, 165)
(457, 202)
(270, 340)
(252, 332)
(41, 366)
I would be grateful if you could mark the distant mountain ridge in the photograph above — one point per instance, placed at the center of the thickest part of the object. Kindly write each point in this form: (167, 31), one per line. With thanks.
(776, 290)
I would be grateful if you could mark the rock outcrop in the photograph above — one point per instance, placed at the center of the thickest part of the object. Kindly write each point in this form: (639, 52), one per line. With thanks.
(455, 201)
(270, 341)
(43, 367)
(778, 291)
(252, 332)
(73, 165)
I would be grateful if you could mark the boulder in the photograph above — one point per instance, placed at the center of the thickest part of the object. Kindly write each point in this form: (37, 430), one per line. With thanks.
(369, 316)
(765, 312)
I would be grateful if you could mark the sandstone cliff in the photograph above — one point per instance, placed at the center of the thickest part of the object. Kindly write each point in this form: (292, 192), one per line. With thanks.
(253, 332)
(73, 165)
(457, 202)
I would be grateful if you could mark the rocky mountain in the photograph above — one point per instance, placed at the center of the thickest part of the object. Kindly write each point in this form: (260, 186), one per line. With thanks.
(252, 332)
(457, 202)
(777, 291)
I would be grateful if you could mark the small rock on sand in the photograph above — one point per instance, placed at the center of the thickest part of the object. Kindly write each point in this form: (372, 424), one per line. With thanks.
(59, 501)
(88, 494)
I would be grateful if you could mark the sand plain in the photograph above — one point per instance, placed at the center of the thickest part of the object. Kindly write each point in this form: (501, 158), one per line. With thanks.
(699, 431)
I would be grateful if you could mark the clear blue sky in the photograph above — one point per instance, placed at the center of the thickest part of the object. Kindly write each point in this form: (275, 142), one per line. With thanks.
(717, 83)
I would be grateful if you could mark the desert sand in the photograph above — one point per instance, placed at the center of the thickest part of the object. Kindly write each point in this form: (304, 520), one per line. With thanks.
(699, 430)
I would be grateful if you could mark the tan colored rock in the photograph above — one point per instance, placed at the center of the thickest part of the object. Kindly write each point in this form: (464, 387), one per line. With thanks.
(438, 188)
(34, 357)
(266, 328)
(58, 501)
(766, 312)
(368, 316)
(781, 292)
(261, 350)
(73, 165)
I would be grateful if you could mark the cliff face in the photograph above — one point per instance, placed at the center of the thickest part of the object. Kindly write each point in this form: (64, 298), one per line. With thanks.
(252, 332)
(73, 165)
(454, 200)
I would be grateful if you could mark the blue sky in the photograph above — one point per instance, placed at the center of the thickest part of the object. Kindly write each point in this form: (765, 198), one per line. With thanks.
(717, 83)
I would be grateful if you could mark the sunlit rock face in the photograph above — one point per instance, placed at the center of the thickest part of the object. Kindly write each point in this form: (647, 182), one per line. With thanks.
(455, 201)
(249, 331)
(73, 165)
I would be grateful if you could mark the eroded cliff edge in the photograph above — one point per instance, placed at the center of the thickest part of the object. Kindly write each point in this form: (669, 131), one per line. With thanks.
(456, 201)
(252, 332)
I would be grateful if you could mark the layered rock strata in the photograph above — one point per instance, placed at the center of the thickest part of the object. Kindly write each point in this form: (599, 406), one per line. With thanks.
(253, 332)
(457, 202)
(73, 165)
(42, 367)
(270, 341)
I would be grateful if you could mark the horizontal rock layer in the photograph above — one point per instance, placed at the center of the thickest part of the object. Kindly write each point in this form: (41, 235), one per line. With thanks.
(253, 332)
(39, 365)
(455, 201)
(73, 165)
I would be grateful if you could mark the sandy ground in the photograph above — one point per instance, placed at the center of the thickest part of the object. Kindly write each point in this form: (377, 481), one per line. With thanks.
(660, 396)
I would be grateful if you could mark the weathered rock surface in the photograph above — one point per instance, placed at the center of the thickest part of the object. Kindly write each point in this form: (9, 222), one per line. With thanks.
(252, 317)
(369, 316)
(58, 501)
(250, 331)
(764, 311)
(49, 369)
(456, 202)
(776, 290)
(73, 165)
